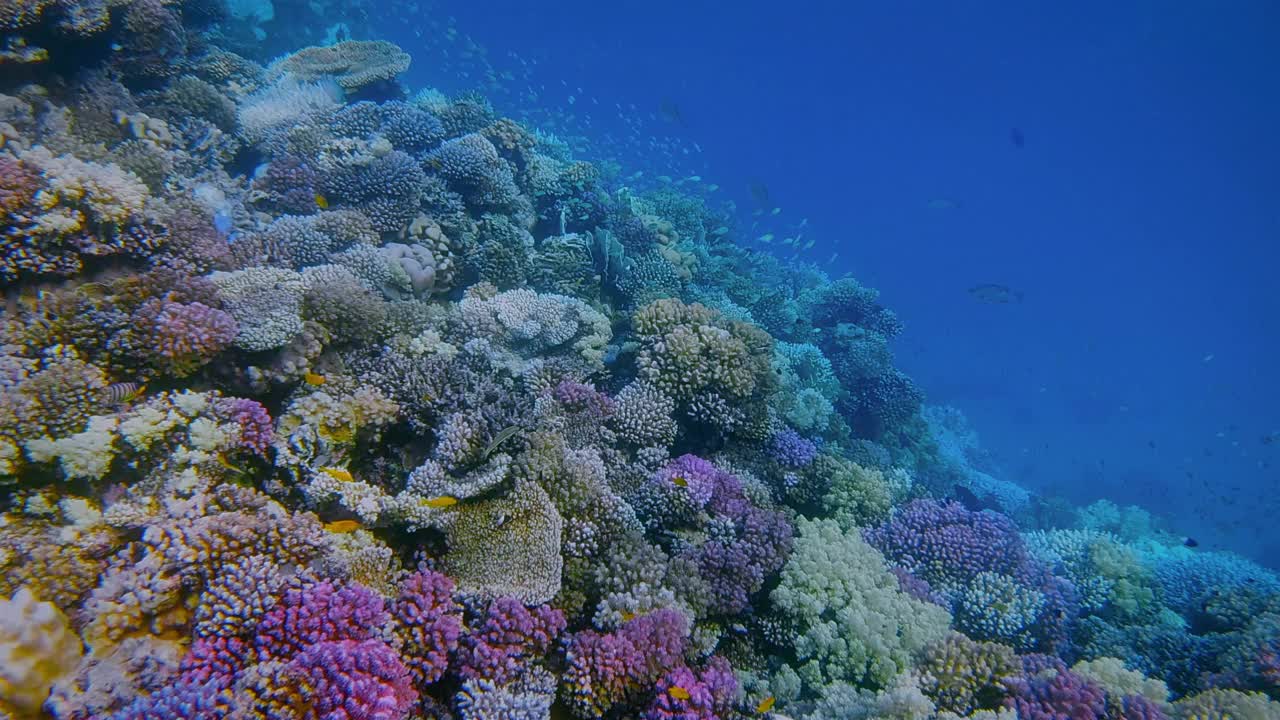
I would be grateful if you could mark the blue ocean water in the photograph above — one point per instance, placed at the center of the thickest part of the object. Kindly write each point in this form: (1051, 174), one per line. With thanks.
(1115, 165)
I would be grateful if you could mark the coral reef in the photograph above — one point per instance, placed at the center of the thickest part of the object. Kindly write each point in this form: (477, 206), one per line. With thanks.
(319, 402)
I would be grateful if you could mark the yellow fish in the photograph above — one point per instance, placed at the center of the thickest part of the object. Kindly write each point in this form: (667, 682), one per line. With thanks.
(443, 501)
(678, 692)
(342, 526)
(314, 379)
(628, 616)
(766, 704)
(322, 202)
(338, 473)
(224, 462)
(679, 481)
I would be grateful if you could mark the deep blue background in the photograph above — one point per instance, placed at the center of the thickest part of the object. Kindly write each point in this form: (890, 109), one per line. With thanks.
(1140, 218)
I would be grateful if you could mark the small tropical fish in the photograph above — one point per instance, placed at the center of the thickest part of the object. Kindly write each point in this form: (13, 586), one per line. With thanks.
(443, 501)
(680, 481)
(92, 290)
(775, 211)
(942, 204)
(995, 294)
(337, 473)
(342, 526)
(1191, 542)
(124, 392)
(627, 616)
(766, 238)
(503, 436)
(314, 379)
(722, 230)
(678, 692)
(713, 187)
(322, 202)
(766, 705)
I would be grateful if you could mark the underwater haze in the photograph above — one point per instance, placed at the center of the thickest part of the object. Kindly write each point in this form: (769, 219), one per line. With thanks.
(440, 360)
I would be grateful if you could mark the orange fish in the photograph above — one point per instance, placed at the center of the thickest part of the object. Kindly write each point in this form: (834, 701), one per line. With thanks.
(678, 692)
(314, 379)
(766, 705)
(342, 526)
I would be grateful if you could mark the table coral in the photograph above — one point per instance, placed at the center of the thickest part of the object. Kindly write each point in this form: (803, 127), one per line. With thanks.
(354, 64)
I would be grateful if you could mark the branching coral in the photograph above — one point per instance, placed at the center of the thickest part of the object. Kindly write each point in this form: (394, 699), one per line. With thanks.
(854, 624)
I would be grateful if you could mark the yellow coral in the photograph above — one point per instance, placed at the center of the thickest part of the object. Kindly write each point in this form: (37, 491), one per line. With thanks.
(37, 648)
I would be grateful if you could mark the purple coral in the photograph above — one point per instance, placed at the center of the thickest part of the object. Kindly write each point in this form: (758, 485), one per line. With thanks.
(289, 185)
(946, 544)
(791, 449)
(214, 659)
(584, 397)
(697, 478)
(429, 622)
(710, 692)
(510, 636)
(309, 613)
(180, 338)
(355, 680)
(256, 430)
(611, 668)
(191, 701)
(1055, 695)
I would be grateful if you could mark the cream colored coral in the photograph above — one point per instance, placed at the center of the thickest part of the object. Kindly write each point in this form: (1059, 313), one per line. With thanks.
(86, 454)
(112, 194)
(1113, 676)
(37, 648)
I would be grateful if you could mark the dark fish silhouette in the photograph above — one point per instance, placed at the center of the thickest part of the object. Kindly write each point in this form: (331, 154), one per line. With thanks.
(965, 497)
(760, 193)
(995, 294)
(1016, 137)
(671, 111)
(1191, 542)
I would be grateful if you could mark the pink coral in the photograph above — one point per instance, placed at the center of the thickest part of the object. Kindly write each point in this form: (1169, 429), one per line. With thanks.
(179, 338)
(354, 680)
(309, 613)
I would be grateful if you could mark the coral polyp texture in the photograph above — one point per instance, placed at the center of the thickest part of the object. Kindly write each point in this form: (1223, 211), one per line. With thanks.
(318, 402)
